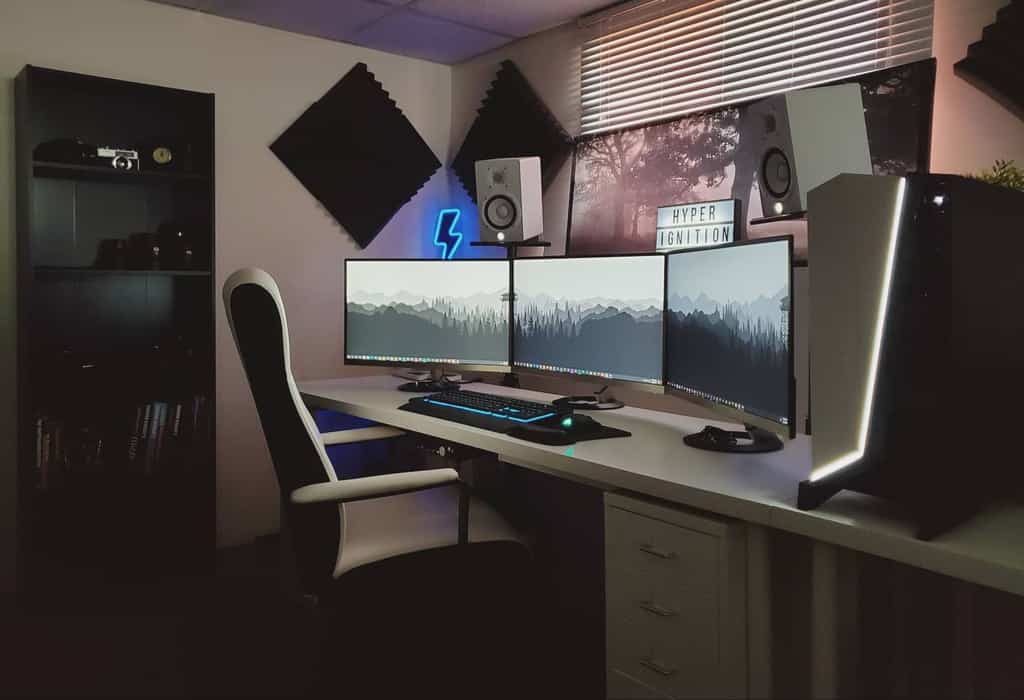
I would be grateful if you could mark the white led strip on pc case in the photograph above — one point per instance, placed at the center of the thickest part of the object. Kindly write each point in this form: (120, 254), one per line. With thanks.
(849, 458)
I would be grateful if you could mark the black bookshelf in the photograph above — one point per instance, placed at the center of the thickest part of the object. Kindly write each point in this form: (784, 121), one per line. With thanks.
(115, 299)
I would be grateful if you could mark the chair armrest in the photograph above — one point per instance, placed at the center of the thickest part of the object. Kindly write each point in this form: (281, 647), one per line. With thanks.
(343, 437)
(373, 486)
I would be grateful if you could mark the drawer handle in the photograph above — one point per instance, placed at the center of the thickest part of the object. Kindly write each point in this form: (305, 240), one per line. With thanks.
(659, 610)
(656, 552)
(657, 667)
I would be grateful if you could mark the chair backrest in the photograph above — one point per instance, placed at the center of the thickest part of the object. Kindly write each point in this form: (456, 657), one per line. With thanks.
(260, 329)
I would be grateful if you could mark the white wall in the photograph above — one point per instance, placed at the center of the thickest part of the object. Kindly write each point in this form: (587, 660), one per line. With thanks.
(970, 130)
(263, 79)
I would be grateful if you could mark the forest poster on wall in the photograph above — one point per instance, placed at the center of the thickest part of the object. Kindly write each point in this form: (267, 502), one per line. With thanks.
(622, 177)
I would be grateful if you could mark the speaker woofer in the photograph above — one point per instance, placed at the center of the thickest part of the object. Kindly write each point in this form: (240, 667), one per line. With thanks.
(776, 173)
(500, 212)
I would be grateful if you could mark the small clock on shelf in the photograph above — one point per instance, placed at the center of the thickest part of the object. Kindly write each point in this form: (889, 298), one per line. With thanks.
(168, 155)
(163, 156)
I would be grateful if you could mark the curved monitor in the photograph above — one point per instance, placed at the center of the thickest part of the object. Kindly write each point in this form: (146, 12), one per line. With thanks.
(427, 312)
(599, 317)
(729, 331)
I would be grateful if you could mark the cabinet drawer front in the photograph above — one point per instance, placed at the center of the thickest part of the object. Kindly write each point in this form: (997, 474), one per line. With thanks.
(621, 686)
(664, 554)
(666, 603)
(671, 655)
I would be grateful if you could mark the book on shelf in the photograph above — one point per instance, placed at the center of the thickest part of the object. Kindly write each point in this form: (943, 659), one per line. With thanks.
(163, 432)
(40, 470)
(44, 473)
(133, 439)
(153, 440)
(51, 451)
(154, 437)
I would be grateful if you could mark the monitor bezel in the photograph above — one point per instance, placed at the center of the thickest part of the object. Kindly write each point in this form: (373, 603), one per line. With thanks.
(461, 366)
(631, 384)
(728, 412)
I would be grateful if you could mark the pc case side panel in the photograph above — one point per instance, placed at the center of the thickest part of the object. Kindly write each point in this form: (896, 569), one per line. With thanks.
(850, 228)
(988, 323)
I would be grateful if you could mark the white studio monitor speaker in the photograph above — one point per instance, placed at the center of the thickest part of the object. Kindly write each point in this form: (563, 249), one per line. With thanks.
(809, 137)
(508, 195)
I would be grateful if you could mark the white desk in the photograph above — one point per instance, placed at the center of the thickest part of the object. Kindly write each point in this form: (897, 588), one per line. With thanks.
(758, 489)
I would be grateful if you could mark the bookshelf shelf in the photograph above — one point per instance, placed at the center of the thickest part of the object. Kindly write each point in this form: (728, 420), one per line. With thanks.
(115, 367)
(69, 270)
(98, 173)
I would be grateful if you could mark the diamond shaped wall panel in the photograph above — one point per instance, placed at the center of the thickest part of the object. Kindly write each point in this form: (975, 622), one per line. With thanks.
(356, 152)
(512, 122)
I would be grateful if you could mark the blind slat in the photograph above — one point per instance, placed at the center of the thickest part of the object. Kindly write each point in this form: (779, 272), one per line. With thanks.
(694, 56)
(767, 73)
(752, 93)
(671, 75)
(807, 23)
(760, 67)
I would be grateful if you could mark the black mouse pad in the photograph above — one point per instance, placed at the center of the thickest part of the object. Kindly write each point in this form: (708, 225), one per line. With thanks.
(599, 432)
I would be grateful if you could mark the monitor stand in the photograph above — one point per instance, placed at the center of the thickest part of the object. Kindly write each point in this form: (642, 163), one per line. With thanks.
(600, 400)
(719, 440)
(436, 383)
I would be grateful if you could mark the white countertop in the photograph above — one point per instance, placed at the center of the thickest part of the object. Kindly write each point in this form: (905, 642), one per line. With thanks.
(757, 488)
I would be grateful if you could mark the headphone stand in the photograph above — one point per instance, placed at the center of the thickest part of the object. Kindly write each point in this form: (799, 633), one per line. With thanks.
(511, 379)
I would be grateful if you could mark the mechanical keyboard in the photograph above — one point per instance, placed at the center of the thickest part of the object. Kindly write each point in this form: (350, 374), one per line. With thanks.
(488, 411)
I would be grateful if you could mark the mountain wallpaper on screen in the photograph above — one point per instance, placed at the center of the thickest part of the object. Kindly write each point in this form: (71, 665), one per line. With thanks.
(616, 336)
(471, 328)
(737, 351)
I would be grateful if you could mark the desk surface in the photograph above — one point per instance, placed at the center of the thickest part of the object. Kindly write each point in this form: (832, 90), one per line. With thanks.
(759, 488)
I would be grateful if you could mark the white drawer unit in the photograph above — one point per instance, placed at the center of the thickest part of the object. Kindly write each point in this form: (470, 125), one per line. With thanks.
(676, 602)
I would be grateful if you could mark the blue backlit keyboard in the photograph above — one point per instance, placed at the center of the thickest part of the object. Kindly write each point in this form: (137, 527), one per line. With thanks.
(498, 413)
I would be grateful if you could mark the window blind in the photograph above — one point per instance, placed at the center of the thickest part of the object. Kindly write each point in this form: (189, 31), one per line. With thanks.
(654, 60)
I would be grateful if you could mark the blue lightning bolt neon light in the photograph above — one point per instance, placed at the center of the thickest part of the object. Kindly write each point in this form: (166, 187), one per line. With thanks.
(445, 235)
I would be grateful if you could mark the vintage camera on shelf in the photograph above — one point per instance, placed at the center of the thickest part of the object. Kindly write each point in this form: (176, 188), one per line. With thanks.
(123, 159)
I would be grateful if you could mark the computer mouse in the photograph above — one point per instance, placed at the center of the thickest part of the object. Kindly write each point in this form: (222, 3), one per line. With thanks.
(580, 422)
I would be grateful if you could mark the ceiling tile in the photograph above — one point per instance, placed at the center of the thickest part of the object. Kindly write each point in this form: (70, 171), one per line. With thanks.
(413, 34)
(324, 18)
(513, 18)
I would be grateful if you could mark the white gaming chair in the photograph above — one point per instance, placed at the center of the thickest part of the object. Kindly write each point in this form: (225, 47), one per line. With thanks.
(335, 525)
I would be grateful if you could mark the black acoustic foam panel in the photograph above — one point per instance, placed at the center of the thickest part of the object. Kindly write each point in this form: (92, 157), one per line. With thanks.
(357, 154)
(512, 122)
(993, 64)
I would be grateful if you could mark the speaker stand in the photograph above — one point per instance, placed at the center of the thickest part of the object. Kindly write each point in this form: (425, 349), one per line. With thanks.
(511, 379)
(791, 216)
(511, 246)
